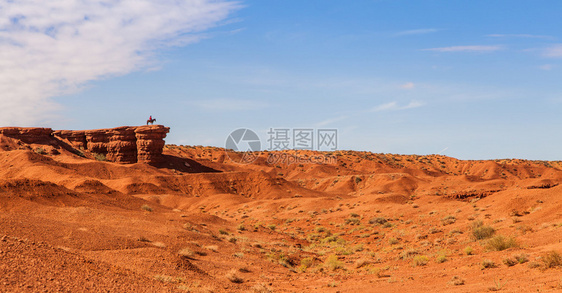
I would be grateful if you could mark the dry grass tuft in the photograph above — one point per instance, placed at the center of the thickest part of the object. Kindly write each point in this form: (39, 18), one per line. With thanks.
(232, 276)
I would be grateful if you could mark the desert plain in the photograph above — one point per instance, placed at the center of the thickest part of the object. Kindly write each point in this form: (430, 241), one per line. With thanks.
(196, 220)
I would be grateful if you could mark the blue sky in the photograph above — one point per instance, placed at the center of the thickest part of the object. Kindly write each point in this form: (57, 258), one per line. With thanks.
(468, 79)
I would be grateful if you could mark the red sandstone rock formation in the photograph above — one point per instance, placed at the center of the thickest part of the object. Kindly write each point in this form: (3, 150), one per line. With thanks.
(124, 144)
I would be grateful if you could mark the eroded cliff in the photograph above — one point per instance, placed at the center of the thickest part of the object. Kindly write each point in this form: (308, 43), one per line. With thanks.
(126, 144)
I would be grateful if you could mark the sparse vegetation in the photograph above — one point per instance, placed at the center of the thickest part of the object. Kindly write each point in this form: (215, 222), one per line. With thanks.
(333, 263)
(487, 264)
(186, 252)
(499, 243)
(480, 232)
(456, 281)
(551, 259)
(40, 151)
(448, 220)
(378, 221)
(146, 207)
(510, 262)
(420, 260)
(521, 258)
(100, 157)
(233, 277)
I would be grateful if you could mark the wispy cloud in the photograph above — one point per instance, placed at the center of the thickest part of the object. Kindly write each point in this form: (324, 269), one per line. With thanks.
(526, 36)
(228, 105)
(546, 67)
(394, 106)
(408, 85)
(51, 48)
(482, 49)
(330, 121)
(553, 51)
(422, 31)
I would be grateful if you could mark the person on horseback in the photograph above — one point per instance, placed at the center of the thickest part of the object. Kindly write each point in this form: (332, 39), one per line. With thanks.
(150, 120)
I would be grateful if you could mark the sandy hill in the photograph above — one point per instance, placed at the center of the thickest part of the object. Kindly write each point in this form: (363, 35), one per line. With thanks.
(190, 219)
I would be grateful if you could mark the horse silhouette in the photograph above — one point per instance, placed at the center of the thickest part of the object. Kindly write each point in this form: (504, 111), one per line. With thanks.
(151, 121)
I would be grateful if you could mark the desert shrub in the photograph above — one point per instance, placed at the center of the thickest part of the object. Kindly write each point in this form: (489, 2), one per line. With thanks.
(487, 264)
(186, 252)
(420, 260)
(468, 250)
(378, 221)
(441, 258)
(499, 243)
(497, 285)
(409, 253)
(321, 229)
(146, 208)
(479, 231)
(40, 151)
(212, 248)
(551, 259)
(456, 281)
(455, 231)
(100, 157)
(434, 230)
(521, 258)
(362, 262)
(510, 262)
(393, 241)
(241, 227)
(333, 263)
(232, 276)
(223, 232)
(352, 221)
(271, 226)
(165, 279)
(448, 220)
(307, 262)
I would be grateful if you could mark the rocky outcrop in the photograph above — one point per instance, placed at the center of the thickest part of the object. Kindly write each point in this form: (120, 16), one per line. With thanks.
(126, 144)
(28, 135)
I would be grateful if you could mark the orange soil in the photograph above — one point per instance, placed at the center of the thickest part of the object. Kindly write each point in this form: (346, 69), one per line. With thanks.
(69, 223)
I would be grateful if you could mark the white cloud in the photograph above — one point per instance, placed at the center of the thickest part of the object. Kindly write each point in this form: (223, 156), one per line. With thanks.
(51, 48)
(467, 49)
(394, 106)
(408, 85)
(553, 51)
(546, 67)
(330, 121)
(417, 32)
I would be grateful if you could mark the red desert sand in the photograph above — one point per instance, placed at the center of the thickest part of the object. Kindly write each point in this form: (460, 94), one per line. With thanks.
(116, 210)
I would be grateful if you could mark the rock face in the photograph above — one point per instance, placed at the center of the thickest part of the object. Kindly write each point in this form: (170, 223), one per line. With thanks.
(126, 144)
(28, 134)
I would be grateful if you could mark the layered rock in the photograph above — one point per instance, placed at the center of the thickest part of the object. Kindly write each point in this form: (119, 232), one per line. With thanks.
(150, 143)
(124, 144)
(28, 135)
